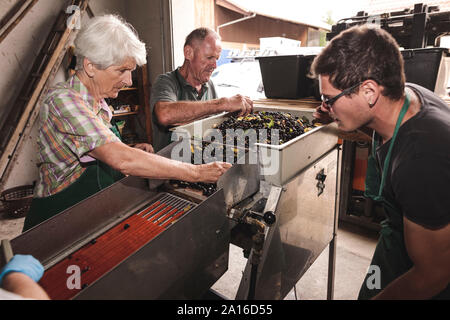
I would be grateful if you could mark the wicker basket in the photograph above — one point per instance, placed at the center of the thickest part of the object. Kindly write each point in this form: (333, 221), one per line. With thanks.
(17, 200)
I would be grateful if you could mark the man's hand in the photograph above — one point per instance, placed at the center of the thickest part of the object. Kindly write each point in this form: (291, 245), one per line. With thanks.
(145, 147)
(239, 103)
(322, 115)
(211, 172)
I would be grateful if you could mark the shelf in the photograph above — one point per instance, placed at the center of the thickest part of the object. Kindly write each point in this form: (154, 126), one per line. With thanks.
(130, 100)
(134, 110)
(129, 89)
(124, 114)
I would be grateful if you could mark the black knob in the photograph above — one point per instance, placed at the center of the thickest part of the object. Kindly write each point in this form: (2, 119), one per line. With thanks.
(321, 176)
(269, 217)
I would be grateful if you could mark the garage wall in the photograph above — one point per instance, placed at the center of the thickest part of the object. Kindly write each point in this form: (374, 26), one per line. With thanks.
(152, 21)
(18, 52)
(188, 15)
(204, 14)
(20, 48)
(183, 23)
(100, 7)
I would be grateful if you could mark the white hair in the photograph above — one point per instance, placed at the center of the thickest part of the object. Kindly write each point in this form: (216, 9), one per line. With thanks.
(108, 40)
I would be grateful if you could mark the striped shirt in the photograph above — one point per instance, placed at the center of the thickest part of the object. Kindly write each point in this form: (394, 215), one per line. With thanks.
(71, 125)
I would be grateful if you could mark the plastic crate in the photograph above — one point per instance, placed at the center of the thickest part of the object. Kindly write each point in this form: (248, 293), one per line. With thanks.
(423, 65)
(285, 77)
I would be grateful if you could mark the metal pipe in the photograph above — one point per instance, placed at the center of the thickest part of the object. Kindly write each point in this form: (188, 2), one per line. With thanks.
(333, 243)
(234, 21)
(257, 250)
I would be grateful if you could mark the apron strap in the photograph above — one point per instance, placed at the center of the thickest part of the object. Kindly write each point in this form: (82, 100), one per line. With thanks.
(391, 146)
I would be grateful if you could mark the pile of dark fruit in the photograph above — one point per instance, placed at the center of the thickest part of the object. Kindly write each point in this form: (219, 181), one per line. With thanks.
(289, 128)
(207, 189)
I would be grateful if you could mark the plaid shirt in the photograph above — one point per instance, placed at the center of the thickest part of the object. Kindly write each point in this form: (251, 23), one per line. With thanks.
(71, 125)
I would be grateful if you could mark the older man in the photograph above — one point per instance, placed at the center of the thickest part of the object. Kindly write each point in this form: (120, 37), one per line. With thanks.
(187, 93)
(78, 151)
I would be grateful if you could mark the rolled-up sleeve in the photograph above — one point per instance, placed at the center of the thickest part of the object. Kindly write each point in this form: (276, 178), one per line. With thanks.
(164, 89)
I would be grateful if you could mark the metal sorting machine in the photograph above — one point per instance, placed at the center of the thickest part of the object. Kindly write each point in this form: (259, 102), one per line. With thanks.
(147, 239)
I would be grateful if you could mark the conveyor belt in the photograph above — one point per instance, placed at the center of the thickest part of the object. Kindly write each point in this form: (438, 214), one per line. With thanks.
(105, 252)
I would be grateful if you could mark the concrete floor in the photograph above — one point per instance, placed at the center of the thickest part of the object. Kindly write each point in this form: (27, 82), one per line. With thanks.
(10, 228)
(355, 247)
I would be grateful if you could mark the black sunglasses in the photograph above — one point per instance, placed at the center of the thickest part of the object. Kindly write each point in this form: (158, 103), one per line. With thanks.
(329, 102)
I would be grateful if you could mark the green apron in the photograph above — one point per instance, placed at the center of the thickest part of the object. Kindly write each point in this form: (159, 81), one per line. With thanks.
(390, 254)
(97, 176)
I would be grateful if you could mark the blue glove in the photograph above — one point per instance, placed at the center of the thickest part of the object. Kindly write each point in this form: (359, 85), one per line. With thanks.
(25, 264)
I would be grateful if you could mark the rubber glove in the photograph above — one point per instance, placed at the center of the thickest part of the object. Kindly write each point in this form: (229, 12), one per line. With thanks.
(25, 264)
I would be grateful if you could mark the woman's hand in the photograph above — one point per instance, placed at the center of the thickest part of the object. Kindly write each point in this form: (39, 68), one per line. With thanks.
(211, 172)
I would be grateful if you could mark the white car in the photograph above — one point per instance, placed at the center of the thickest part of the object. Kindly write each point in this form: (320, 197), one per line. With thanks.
(239, 77)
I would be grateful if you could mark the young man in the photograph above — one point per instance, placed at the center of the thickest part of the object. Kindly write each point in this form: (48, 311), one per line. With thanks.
(187, 93)
(363, 86)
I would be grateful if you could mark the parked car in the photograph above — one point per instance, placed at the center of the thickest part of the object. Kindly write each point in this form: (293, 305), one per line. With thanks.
(243, 74)
(239, 77)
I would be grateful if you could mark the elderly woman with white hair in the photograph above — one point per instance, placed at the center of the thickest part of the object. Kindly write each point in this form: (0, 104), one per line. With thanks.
(80, 153)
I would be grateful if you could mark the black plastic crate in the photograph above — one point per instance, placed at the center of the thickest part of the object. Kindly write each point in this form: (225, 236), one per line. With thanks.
(422, 65)
(286, 77)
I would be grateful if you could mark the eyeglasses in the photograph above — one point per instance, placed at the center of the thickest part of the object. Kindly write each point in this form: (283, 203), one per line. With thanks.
(328, 103)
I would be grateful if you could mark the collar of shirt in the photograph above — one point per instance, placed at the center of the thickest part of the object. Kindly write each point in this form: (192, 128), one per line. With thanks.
(76, 84)
(187, 86)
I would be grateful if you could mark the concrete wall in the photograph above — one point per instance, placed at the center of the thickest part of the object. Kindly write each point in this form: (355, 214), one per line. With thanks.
(20, 48)
(18, 52)
(152, 21)
(100, 7)
(183, 23)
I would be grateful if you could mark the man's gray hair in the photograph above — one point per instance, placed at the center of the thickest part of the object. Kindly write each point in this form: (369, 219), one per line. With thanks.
(200, 34)
(108, 40)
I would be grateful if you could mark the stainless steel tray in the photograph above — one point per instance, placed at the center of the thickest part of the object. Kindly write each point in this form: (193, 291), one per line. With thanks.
(278, 163)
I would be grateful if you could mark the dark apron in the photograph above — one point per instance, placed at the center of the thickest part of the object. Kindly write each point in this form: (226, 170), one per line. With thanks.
(390, 254)
(96, 176)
